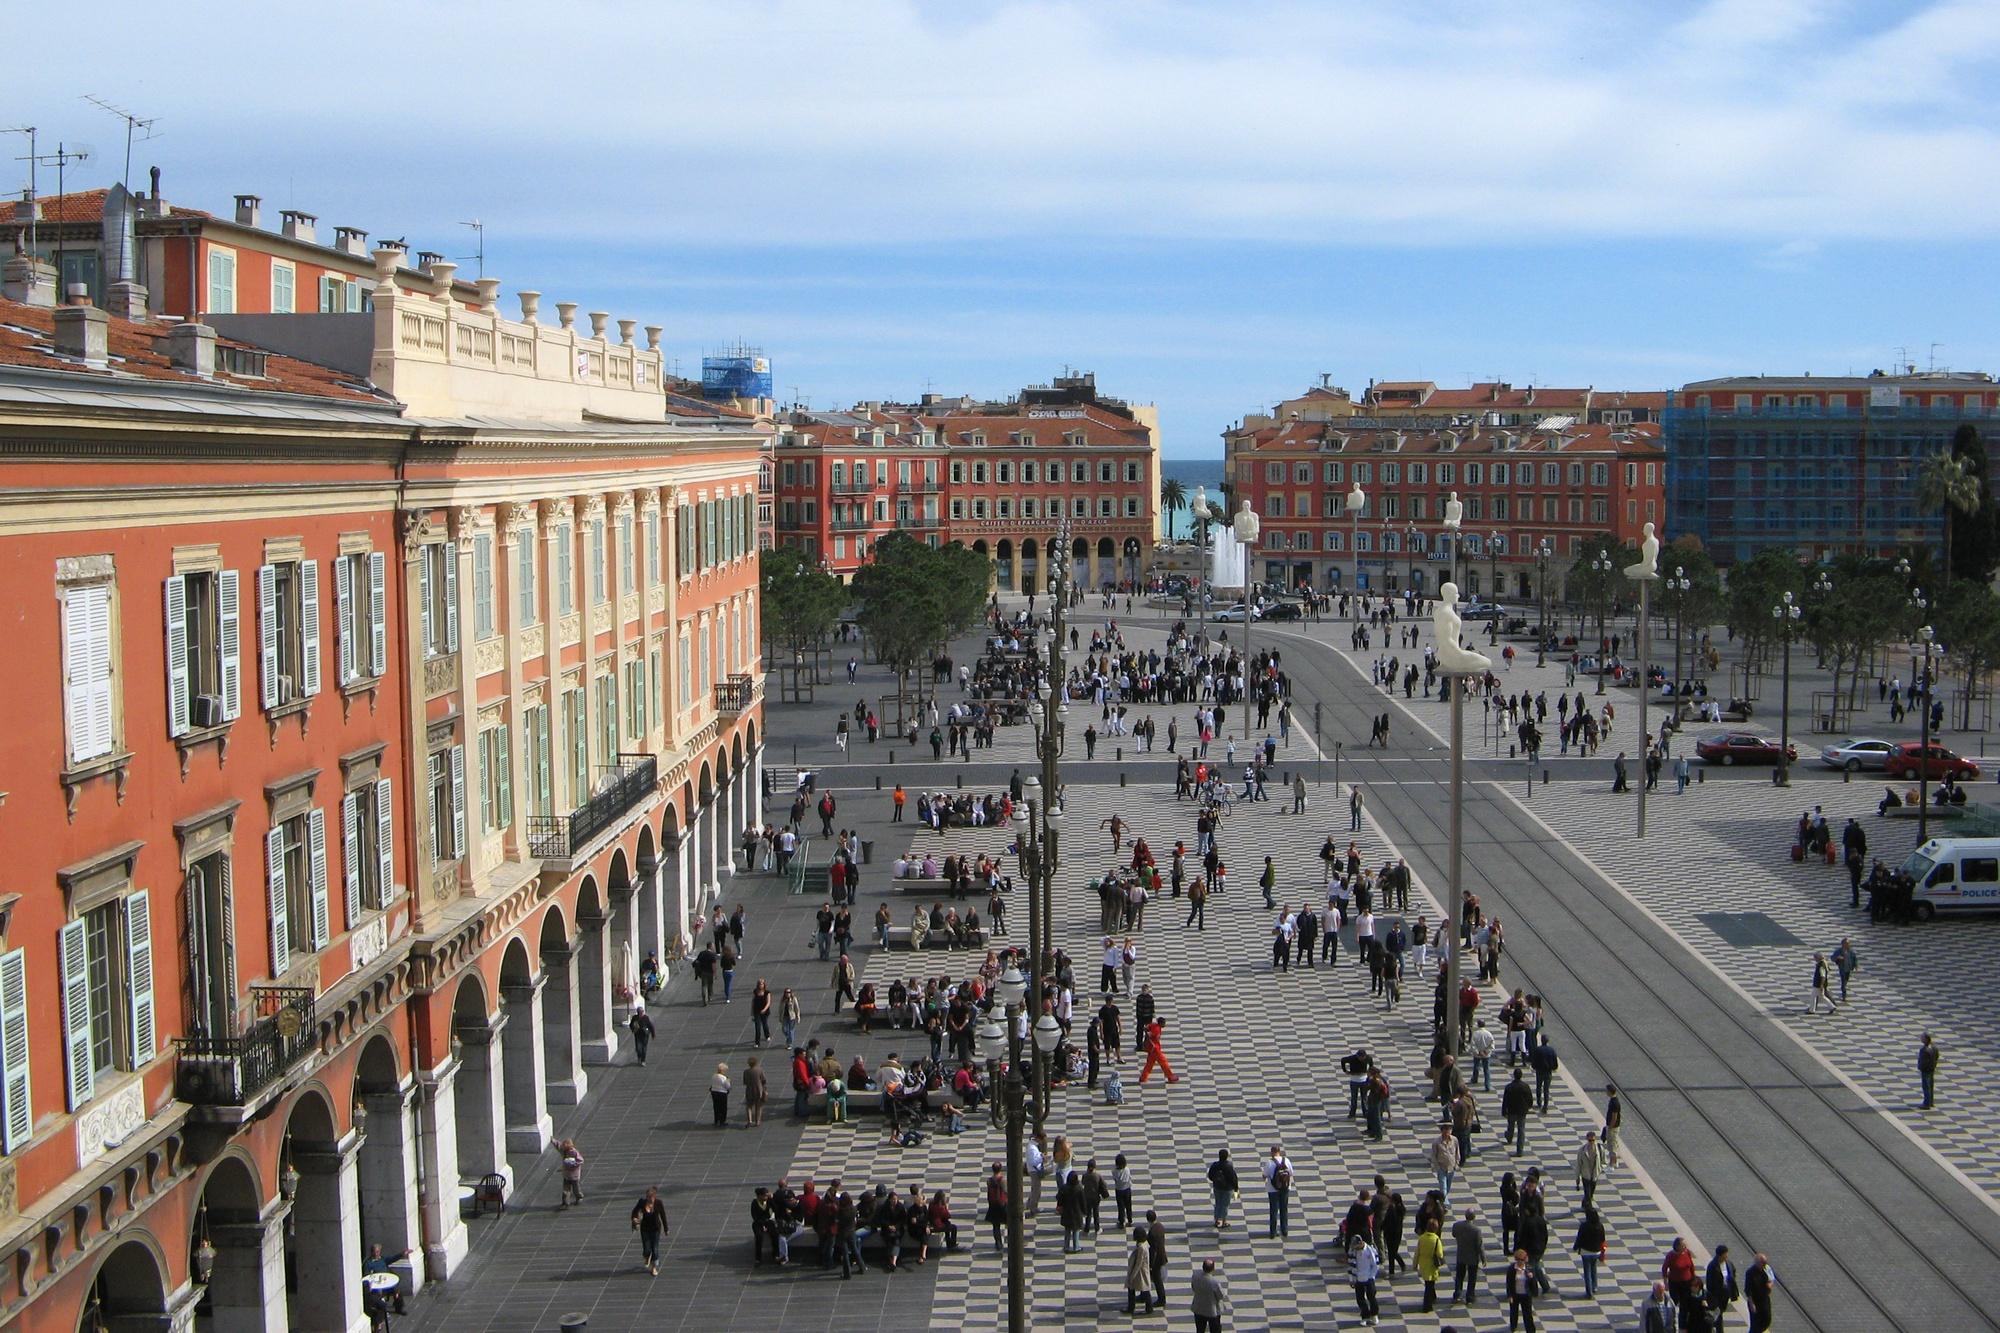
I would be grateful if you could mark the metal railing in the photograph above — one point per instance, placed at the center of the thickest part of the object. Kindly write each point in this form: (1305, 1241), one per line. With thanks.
(619, 787)
(733, 695)
(231, 1071)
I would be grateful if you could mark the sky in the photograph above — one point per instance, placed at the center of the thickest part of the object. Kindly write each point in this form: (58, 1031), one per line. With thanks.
(1210, 205)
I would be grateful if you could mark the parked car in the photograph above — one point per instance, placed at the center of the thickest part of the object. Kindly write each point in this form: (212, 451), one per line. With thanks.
(1742, 747)
(1482, 611)
(1230, 615)
(1855, 755)
(1911, 760)
(1283, 611)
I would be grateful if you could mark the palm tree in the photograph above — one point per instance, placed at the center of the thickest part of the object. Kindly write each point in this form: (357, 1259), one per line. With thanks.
(1945, 483)
(1173, 495)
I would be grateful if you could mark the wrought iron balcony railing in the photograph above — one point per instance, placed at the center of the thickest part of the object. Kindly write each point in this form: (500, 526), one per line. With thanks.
(620, 787)
(233, 1070)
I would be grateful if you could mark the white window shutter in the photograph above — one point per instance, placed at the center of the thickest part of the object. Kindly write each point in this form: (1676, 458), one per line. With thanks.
(229, 934)
(17, 1110)
(267, 634)
(177, 652)
(76, 1013)
(274, 874)
(350, 856)
(424, 600)
(450, 597)
(385, 884)
(457, 800)
(322, 926)
(378, 616)
(343, 611)
(309, 625)
(230, 618)
(87, 671)
(139, 975)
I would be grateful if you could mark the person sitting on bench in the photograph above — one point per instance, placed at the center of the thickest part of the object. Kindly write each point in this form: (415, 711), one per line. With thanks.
(1890, 801)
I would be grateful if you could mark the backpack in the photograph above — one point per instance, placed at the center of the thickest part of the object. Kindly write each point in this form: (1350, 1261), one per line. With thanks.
(1281, 1180)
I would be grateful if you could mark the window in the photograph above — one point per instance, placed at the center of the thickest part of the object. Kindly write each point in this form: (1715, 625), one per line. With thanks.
(1417, 507)
(284, 280)
(659, 677)
(1500, 471)
(1274, 506)
(576, 731)
(1030, 473)
(368, 861)
(1334, 473)
(1106, 470)
(1273, 472)
(607, 719)
(1473, 474)
(1104, 506)
(594, 557)
(1392, 474)
(1333, 541)
(537, 769)
(1392, 506)
(1600, 509)
(204, 671)
(1419, 473)
(447, 804)
(437, 590)
(108, 1019)
(686, 674)
(1361, 541)
(1003, 473)
(1576, 474)
(360, 596)
(496, 779)
(628, 566)
(288, 624)
(221, 282)
(1499, 509)
(979, 507)
(211, 944)
(485, 623)
(652, 537)
(979, 473)
(1600, 474)
(1364, 473)
(1551, 474)
(1445, 471)
(563, 538)
(1028, 507)
(90, 679)
(1652, 474)
(704, 664)
(1131, 506)
(525, 555)
(1080, 472)
(295, 874)
(958, 474)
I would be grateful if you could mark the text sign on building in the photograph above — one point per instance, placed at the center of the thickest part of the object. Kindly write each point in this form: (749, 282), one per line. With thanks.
(1884, 395)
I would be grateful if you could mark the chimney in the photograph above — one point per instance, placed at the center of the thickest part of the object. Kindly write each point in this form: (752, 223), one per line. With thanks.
(250, 210)
(126, 300)
(28, 210)
(83, 332)
(299, 226)
(191, 349)
(425, 258)
(351, 241)
(29, 281)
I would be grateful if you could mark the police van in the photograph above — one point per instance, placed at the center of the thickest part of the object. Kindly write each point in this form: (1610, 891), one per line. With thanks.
(1955, 875)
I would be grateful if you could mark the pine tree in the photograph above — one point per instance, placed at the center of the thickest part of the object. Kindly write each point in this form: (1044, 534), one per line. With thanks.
(1975, 538)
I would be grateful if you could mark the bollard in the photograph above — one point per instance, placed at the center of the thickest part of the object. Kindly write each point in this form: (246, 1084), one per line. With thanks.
(892, 754)
(1545, 777)
(1121, 777)
(1510, 752)
(958, 780)
(1121, 754)
(574, 1323)
(878, 782)
(1701, 775)
(1847, 775)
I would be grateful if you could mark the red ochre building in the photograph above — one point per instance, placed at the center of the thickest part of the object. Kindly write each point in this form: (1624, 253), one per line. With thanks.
(373, 713)
(1536, 470)
(997, 477)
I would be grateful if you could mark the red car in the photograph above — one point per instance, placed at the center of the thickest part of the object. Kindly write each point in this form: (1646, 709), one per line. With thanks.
(1907, 759)
(1742, 747)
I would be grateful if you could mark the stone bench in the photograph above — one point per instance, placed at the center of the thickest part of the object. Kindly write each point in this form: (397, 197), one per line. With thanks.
(899, 938)
(870, 1099)
(916, 883)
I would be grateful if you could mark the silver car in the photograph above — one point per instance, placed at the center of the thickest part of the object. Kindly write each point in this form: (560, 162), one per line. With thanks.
(1855, 755)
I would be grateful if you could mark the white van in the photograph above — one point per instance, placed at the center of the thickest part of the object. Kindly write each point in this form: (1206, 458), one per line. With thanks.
(1955, 875)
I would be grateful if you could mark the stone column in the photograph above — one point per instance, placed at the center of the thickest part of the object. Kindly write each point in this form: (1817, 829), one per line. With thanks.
(597, 1036)
(757, 779)
(732, 826)
(443, 1226)
(1014, 575)
(682, 898)
(524, 1075)
(390, 1210)
(651, 936)
(246, 1294)
(481, 1108)
(567, 1081)
(326, 1239)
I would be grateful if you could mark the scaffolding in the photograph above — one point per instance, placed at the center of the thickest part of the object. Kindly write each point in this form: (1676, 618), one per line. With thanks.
(737, 372)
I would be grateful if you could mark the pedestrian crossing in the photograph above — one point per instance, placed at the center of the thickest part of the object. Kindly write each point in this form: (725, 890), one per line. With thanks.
(1257, 1052)
(1912, 979)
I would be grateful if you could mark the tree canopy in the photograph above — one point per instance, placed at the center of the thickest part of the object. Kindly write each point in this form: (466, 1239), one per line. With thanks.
(1586, 584)
(801, 601)
(1867, 605)
(1755, 586)
(914, 597)
(1975, 539)
(1968, 627)
(1947, 485)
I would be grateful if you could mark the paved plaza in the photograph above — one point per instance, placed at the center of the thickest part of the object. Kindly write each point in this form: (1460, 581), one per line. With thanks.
(1675, 966)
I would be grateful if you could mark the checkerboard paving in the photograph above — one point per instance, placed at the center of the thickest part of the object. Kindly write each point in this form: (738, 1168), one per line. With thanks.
(1730, 850)
(1257, 1052)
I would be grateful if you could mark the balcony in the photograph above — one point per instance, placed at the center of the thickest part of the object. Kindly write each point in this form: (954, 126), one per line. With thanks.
(620, 787)
(232, 1071)
(732, 696)
(852, 524)
(919, 521)
(854, 487)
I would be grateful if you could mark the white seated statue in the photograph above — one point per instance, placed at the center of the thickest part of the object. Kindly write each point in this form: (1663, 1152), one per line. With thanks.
(1649, 558)
(1453, 658)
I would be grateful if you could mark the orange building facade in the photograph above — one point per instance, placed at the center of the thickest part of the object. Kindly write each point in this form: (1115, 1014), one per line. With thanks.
(372, 722)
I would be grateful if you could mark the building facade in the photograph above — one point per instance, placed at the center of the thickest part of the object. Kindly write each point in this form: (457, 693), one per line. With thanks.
(1813, 465)
(997, 477)
(1560, 483)
(378, 714)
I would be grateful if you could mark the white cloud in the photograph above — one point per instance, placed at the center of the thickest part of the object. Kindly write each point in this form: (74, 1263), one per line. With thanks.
(894, 122)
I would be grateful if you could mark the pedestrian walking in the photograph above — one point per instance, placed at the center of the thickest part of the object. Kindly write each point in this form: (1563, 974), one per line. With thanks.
(1156, 1254)
(641, 1027)
(1223, 1182)
(1278, 1191)
(1516, 1100)
(1822, 978)
(1614, 1120)
(1468, 1254)
(1210, 1300)
(1138, 1273)
(649, 1219)
(1430, 1259)
(756, 1091)
(727, 962)
(1121, 1192)
(1589, 1166)
(572, 1172)
(788, 1017)
(1354, 803)
(760, 1013)
(1758, 1283)
(718, 1092)
(1298, 793)
(1364, 1267)
(1927, 1066)
(1590, 1246)
(1719, 1289)
(1521, 1294)
(1845, 962)
(1443, 1159)
(1155, 1054)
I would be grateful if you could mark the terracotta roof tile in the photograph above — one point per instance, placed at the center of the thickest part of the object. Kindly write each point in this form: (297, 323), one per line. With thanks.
(27, 338)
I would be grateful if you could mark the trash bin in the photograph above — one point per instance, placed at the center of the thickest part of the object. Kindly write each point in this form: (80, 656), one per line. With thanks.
(868, 851)
(574, 1323)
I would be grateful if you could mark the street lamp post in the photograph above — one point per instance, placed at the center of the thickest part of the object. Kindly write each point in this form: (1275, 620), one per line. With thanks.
(1645, 573)
(1786, 616)
(1496, 546)
(993, 1044)
(1357, 500)
(1678, 585)
(1928, 635)
(1454, 515)
(1205, 511)
(1542, 554)
(1455, 663)
(1602, 566)
(1248, 529)
(1413, 541)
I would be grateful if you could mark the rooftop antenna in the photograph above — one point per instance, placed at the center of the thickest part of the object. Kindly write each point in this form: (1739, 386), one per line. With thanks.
(1902, 359)
(479, 231)
(1934, 347)
(28, 130)
(62, 157)
(133, 124)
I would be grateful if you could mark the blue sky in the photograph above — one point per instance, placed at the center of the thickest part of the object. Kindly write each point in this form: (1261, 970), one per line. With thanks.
(1209, 205)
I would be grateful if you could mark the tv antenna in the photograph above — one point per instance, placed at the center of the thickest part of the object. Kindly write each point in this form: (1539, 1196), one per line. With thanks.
(1934, 347)
(133, 125)
(479, 232)
(62, 157)
(28, 130)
